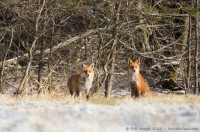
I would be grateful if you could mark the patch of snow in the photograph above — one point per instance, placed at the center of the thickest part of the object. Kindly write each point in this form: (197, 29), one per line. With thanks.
(47, 116)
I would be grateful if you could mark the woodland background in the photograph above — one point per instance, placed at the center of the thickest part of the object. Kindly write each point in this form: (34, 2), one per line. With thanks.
(43, 41)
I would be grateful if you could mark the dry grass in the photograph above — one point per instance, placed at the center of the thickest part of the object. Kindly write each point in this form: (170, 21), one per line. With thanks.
(171, 98)
(166, 99)
(104, 101)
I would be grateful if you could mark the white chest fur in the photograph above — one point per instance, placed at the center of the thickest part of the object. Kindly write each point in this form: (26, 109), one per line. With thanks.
(133, 76)
(86, 81)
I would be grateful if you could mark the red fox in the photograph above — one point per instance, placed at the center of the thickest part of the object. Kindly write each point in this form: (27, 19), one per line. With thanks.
(81, 81)
(139, 86)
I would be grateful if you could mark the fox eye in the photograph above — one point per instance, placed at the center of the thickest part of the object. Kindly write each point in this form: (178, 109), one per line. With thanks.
(132, 67)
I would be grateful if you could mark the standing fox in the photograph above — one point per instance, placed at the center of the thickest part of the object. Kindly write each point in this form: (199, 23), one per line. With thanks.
(81, 81)
(138, 85)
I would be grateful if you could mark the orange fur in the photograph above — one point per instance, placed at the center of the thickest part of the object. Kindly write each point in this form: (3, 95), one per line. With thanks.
(139, 86)
(81, 81)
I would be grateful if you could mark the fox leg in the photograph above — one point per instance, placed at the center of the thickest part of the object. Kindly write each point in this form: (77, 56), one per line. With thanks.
(139, 93)
(71, 91)
(87, 94)
(77, 92)
(73, 95)
(145, 94)
(148, 94)
(132, 92)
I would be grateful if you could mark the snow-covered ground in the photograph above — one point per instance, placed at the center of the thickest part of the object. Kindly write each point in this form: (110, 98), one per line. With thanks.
(67, 116)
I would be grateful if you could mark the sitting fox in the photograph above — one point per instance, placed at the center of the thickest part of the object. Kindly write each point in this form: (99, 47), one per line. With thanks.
(139, 86)
(81, 81)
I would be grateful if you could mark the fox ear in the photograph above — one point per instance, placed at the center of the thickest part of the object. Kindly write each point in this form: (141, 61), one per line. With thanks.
(83, 65)
(129, 61)
(138, 61)
(92, 65)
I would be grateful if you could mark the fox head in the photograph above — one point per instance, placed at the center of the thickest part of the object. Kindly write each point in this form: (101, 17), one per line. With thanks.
(88, 70)
(133, 68)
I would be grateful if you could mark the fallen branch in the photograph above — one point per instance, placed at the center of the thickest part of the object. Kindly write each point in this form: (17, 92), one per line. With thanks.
(13, 61)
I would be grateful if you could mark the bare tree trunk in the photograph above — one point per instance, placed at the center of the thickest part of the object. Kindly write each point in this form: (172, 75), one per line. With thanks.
(196, 50)
(40, 68)
(86, 48)
(24, 81)
(146, 45)
(112, 55)
(98, 64)
(152, 3)
(189, 57)
(48, 88)
(16, 65)
(2, 66)
(182, 49)
(26, 75)
(110, 76)
(49, 70)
